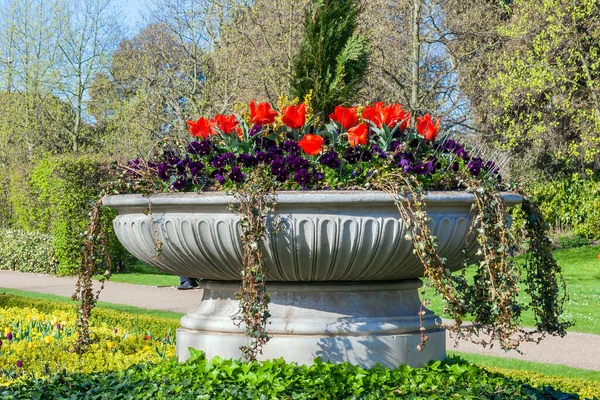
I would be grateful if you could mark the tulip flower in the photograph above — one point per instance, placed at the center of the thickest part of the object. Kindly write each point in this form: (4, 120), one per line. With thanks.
(390, 115)
(311, 144)
(262, 114)
(427, 128)
(358, 135)
(294, 116)
(394, 115)
(203, 128)
(346, 117)
(225, 123)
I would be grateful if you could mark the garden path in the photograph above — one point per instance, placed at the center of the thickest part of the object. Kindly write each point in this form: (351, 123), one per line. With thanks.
(578, 350)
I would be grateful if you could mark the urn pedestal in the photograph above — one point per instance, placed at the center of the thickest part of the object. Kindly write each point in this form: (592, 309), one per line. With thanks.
(341, 274)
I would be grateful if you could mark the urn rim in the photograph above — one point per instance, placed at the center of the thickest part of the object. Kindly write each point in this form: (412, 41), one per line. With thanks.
(332, 198)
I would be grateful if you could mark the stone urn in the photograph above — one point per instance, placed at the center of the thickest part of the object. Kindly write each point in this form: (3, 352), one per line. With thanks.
(342, 276)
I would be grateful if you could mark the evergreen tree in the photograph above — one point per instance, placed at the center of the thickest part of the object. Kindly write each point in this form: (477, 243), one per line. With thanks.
(333, 57)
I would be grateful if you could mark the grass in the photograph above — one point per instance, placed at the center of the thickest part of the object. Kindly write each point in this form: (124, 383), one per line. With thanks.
(519, 365)
(581, 270)
(143, 274)
(101, 304)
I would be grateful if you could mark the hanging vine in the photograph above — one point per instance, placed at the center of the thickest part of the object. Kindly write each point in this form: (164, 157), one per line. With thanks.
(96, 256)
(256, 204)
(492, 298)
(544, 280)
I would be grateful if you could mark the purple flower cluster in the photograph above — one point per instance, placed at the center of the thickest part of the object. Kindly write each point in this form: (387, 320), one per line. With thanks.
(206, 163)
(355, 154)
(475, 165)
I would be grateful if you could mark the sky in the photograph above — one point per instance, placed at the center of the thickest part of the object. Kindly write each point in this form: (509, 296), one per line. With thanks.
(132, 10)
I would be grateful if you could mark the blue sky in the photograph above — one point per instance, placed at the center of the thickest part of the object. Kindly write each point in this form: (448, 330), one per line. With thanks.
(132, 10)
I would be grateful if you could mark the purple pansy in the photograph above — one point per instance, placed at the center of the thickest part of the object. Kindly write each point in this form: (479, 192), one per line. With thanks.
(302, 177)
(236, 174)
(330, 159)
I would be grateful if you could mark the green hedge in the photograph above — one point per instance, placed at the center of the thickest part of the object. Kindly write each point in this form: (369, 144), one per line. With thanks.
(55, 196)
(570, 205)
(5, 208)
(27, 251)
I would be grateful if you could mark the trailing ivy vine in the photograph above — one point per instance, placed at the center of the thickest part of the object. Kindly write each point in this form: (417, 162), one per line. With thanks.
(95, 256)
(492, 298)
(256, 204)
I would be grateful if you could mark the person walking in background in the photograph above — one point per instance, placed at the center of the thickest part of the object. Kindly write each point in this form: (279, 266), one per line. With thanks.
(186, 283)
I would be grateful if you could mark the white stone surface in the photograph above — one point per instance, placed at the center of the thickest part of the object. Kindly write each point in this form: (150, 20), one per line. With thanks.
(322, 236)
(362, 323)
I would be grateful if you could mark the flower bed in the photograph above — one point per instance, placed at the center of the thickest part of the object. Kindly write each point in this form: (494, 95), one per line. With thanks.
(38, 344)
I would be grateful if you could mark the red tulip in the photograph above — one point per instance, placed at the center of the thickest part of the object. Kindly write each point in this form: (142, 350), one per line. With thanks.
(390, 115)
(225, 123)
(294, 116)
(311, 144)
(427, 128)
(373, 114)
(393, 115)
(346, 117)
(262, 114)
(203, 128)
(358, 135)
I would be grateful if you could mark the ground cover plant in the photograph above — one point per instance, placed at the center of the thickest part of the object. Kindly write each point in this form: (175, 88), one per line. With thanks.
(380, 147)
(38, 338)
(275, 379)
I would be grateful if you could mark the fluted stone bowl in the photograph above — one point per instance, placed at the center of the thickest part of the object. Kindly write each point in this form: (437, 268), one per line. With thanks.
(321, 236)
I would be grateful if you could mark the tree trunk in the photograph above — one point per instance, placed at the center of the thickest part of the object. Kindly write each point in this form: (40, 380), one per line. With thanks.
(416, 55)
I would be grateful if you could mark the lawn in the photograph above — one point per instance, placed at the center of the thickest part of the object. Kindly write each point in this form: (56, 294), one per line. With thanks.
(581, 269)
(143, 274)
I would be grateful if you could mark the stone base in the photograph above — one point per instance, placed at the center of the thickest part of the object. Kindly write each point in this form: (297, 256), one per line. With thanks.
(364, 323)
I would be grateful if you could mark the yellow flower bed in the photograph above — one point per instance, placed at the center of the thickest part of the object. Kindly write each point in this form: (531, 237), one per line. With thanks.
(37, 344)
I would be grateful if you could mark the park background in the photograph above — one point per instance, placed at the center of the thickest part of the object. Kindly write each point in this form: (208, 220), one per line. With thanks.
(87, 83)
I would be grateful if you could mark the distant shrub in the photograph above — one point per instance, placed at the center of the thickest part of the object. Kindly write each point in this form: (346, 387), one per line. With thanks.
(27, 251)
(571, 241)
(55, 196)
(570, 205)
(5, 208)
